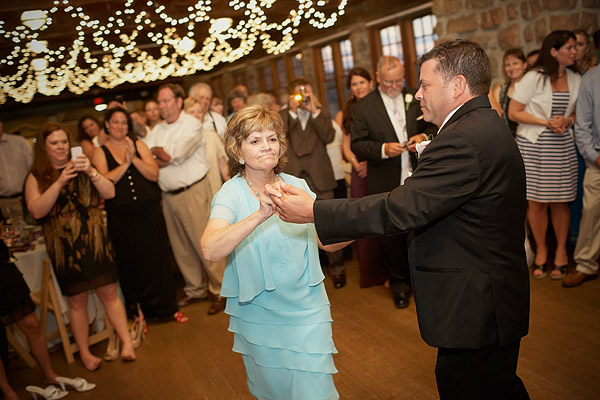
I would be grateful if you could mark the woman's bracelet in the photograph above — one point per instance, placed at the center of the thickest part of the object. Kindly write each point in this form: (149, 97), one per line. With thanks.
(95, 175)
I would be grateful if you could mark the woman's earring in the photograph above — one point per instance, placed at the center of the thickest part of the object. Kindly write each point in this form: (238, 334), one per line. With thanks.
(242, 161)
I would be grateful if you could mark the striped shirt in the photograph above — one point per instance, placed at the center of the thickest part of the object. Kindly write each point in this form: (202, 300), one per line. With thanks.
(16, 158)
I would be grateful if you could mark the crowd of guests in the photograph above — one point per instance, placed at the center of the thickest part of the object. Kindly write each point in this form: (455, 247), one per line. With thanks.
(185, 176)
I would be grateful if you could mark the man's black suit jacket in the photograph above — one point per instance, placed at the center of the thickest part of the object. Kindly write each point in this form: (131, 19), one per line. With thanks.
(465, 203)
(371, 127)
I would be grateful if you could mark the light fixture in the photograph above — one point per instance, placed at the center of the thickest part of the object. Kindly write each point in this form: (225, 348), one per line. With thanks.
(38, 46)
(109, 53)
(34, 19)
(39, 64)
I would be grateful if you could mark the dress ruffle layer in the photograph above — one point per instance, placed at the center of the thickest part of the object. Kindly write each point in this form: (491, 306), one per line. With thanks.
(288, 384)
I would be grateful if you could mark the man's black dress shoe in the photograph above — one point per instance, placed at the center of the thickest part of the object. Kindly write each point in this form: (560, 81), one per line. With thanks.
(339, 281)
(402, 300)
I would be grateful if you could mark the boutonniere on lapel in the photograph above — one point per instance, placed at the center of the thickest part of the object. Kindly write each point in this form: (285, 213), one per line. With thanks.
(419, 147)
(408, 98)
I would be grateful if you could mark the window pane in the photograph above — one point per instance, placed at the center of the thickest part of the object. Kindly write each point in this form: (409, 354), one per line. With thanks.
(281, 73)
(424, 36)
(330, 88)
(347, 58)
(297, 63)
(268, 77)
(347, 61)
(391, 42)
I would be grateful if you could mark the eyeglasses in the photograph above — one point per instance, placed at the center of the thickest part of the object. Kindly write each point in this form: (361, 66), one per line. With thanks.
(397, 82)
(165, 101)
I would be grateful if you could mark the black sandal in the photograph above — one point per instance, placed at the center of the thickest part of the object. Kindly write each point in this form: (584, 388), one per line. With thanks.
(541, 274)
(558, 272)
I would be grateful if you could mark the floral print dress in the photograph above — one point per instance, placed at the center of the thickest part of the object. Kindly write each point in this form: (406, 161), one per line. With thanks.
(81, 252)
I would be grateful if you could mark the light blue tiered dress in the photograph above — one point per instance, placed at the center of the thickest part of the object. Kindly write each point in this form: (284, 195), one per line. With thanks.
(279, 310)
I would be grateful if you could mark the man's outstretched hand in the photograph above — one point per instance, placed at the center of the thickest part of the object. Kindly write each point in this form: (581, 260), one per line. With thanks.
(293, 204)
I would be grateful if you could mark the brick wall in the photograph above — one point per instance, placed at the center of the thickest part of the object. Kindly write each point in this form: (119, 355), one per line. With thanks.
(499, 25)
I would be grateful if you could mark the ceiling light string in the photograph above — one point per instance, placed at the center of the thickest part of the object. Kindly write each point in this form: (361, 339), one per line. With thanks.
(36, 68)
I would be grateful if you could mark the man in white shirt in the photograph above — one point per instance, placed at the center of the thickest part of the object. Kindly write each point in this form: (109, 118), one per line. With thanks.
(16, 158)
(212, 120)
(386, 125)
(587, 137)
(178, 146)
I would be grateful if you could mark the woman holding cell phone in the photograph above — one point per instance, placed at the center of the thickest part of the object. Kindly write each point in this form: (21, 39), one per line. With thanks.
(65, 194)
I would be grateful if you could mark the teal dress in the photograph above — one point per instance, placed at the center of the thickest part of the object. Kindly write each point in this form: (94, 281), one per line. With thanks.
(279, 310)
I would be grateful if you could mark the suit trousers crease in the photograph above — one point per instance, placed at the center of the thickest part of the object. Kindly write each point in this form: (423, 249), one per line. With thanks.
(489, 373)
(186, 215)
(395, 255)
(587, 249)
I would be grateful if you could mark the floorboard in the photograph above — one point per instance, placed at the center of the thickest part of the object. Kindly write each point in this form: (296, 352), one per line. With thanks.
(381, 354)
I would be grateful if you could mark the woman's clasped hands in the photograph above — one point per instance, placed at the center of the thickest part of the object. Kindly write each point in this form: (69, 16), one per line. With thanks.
(558, 124)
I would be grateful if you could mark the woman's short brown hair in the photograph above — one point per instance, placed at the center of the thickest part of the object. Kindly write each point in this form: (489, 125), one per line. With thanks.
(242, 124)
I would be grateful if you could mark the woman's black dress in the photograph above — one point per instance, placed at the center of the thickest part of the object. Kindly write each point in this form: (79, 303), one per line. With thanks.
(139, 235)
(15, 302)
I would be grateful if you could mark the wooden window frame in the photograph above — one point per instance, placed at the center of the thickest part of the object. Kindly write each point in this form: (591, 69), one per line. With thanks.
(338, 68)
(408, 45)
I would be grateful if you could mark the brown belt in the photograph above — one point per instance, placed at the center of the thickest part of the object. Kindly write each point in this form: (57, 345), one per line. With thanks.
(184, 188)
(12, 196)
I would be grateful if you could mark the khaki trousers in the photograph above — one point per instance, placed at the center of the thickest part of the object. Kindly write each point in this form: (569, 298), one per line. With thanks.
(587, 249)
(186, 215)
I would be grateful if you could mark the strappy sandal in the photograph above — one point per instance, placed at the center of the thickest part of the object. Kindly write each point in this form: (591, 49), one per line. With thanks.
(558, 272)
(79, 384)
(49, 393)
(539, 271)
(180, 317)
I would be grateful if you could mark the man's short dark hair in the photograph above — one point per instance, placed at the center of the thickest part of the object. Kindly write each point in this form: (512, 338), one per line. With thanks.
(462, 57)
(300, 81)
(175, 88)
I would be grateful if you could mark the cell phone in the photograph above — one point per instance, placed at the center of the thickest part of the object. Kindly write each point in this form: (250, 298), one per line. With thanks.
(76, 151)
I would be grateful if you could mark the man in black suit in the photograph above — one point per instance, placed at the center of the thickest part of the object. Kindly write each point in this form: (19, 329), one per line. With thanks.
(465, 206)
(386, 125)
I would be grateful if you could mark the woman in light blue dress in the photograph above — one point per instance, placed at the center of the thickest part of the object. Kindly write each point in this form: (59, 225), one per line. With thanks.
(279, 310)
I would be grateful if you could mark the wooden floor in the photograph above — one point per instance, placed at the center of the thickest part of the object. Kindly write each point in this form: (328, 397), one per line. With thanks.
(381, 354)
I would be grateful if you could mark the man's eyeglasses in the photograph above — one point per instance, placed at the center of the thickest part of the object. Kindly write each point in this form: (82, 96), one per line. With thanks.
(397, 82)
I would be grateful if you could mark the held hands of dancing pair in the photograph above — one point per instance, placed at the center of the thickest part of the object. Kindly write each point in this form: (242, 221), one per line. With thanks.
(290, 203)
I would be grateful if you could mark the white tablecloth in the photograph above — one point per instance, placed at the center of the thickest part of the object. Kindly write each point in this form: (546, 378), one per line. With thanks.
(30, 265)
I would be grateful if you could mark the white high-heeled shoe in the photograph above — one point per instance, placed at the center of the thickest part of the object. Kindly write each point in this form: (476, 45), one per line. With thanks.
(77, 383)
(112, 349)
(137, 332)
(51, 392)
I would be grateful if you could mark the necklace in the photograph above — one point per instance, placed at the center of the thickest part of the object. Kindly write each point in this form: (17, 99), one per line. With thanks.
(255, 192)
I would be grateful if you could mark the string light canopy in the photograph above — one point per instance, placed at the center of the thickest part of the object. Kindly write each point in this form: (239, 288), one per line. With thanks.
(143, 42)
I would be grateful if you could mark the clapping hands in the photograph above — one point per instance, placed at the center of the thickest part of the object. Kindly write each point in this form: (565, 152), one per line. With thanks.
(130, 152)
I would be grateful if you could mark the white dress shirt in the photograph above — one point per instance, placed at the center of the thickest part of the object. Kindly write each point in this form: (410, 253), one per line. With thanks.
(183, 140)
(215, 122)
(16, 158)
(304, 115)
(395, 109)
